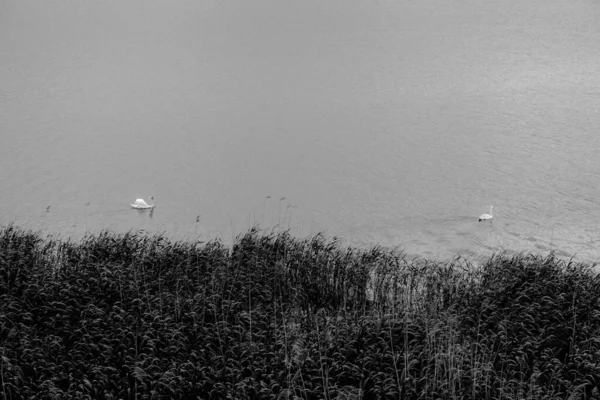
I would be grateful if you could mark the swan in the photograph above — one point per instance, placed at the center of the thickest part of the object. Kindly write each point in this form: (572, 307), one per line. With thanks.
(487, 216)
(141, 204)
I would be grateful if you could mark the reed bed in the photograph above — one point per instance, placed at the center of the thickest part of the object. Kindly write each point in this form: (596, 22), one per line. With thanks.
(275, 317)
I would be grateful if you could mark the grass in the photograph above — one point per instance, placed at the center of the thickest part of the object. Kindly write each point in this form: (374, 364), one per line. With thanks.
(275, 317)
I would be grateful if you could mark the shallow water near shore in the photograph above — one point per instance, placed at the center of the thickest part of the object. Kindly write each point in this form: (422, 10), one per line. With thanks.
(392, 123)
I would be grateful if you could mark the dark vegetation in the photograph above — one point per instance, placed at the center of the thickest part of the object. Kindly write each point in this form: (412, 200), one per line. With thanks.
(274, 317)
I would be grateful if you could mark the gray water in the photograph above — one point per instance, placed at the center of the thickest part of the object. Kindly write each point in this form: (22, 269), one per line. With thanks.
(381, 122)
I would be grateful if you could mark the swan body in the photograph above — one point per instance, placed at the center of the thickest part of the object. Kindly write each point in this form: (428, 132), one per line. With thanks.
(483, 217)
(141, 204)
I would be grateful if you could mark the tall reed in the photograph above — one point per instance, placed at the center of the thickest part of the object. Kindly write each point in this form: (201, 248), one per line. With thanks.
(133, 316)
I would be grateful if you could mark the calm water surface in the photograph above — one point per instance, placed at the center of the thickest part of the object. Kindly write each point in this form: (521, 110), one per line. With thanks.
(389, 122)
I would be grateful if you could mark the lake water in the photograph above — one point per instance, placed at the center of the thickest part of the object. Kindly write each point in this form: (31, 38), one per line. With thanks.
(381, 122)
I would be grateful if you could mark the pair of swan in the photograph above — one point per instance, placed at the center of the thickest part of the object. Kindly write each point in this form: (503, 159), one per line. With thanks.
(141, 203)
(483, 217)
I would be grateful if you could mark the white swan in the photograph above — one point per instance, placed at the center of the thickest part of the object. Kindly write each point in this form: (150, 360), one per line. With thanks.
(141, 204)
(487, 216)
